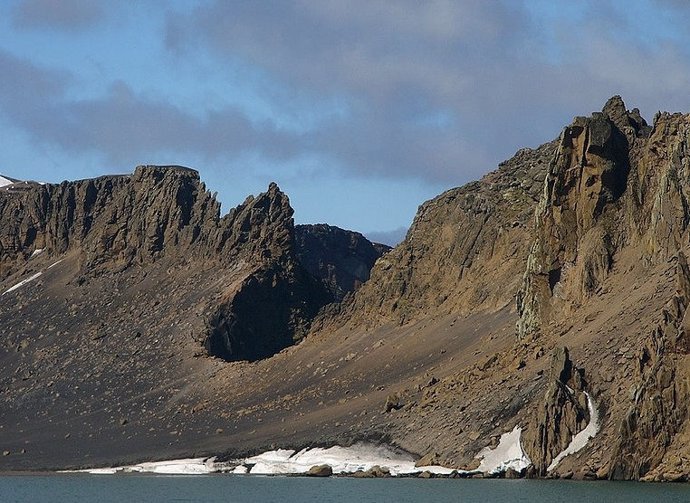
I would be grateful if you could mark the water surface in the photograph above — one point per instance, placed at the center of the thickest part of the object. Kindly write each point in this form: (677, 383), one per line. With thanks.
(255, 489)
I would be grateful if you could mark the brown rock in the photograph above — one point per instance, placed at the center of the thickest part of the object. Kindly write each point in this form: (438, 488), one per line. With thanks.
(511, 473)
(561, 415)
(320, 471)
(429, 459)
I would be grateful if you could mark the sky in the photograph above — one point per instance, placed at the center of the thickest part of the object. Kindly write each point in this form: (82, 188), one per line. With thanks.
(359, 110)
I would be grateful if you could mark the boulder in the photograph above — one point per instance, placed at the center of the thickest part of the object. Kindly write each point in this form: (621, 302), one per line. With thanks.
(320, 471)
(429, 459)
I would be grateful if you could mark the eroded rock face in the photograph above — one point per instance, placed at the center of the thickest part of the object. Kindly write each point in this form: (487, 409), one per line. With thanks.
(465, 250)
(342, 259)
(113, 221)
(575, 232)
(271, 310)
(116, 222)
(660, 394)
(562, 414)
(615, 189)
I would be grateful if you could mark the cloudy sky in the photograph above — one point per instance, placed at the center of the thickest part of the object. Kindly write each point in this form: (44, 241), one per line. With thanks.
(359, 109)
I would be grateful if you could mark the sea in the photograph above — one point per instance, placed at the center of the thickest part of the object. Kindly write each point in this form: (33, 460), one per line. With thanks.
(257, 489)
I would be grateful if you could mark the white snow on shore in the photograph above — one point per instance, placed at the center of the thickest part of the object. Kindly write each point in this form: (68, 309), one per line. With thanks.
(342, 460)
(580, 440)
(508, 454)
(22, 283)
(359, 457)
(190, 466)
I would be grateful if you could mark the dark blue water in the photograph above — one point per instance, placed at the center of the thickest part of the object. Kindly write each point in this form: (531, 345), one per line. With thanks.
(227, 488)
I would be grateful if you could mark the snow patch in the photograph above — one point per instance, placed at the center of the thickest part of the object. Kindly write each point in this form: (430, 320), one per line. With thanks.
(31, 278)
(579, 441)
(508, 454)
(190, 466)
(343, 460)
(4, 181)
(37, 252)
(359, 457)
(22, 283)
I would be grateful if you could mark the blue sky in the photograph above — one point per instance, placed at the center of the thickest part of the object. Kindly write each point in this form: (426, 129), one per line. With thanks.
(359, 110)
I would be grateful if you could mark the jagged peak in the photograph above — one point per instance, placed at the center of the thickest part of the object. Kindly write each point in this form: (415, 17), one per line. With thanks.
(614, 106)
(625, 119)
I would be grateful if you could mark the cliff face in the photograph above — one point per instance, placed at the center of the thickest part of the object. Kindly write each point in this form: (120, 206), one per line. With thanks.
(575, 228)
(113, 220)
(464, 252)
(617, 192)
(593, 258)
(118, 221)
(342, 259)
(576, 249)
(159, 213)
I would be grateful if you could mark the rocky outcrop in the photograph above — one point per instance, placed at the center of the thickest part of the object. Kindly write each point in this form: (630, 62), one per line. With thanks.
(112, 221)
(342, 259)
(271, 310)
(617, 190)
(660, 394)
(561, 415)
(116, 222)
(464, 252)
(575, 232)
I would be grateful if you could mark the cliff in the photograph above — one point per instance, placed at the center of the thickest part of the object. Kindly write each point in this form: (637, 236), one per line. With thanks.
(342, 259)
(549, 298)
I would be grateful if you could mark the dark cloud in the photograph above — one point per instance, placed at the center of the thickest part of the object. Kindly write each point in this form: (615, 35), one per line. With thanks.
(58, 14)
(484, 67)
(439, 91)
(26, 88)
(126, 127)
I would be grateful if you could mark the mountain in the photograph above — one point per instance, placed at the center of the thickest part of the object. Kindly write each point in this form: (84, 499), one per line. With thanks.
(6, 182)
(544, 302)
(342, 259)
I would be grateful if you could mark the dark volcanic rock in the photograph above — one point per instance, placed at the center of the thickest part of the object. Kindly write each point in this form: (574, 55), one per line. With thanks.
(113, 223)
(320, 471)
(342, 259)
(271, 310)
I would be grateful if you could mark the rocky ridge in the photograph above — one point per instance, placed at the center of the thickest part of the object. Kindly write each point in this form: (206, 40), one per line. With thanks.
(113, 223)
(342, 259)
(464, 251)
(575, 249)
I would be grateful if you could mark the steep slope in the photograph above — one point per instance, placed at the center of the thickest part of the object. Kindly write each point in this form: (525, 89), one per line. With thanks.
(603, 273)
(464, 251)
